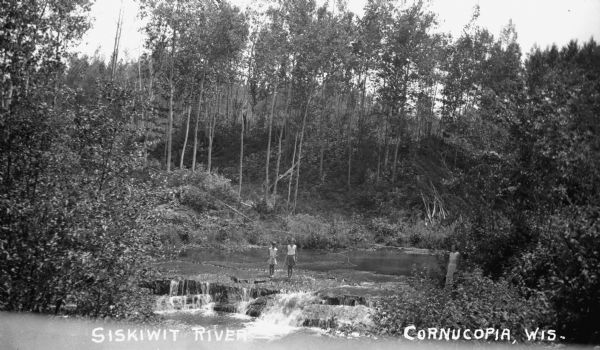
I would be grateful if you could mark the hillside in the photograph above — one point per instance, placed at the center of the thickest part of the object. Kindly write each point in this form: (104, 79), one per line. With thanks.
(421, 210)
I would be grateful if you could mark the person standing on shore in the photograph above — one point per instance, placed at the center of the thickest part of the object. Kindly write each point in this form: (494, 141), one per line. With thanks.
(290, 259)
(272, 259)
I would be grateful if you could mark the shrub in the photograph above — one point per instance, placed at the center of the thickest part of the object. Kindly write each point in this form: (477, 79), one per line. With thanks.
(384, 230)
(350, 232)
(489, 241)
(170, 235)
(416, 234)
(473, 302)
(565, 265)
(265, 207)
(254, 237)
(196, 199)
(75, 217)
(212, 183)
(431, 236)
(313, 232)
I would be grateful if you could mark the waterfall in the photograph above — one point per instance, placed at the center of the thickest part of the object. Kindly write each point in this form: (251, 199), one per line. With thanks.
(282, 315)
(198, 302)
(279, 314)
(242, 305)
(286, 309)
(195, 296)
(174, 287)
(185, 297)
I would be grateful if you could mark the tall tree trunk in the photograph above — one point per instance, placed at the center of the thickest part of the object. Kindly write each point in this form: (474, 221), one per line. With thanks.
(150, 107)
(171, 96)
(281, 129)
(227, 98)
(210, 136)
(361, 129)
(300, 149)
(378, 164)
(292, 171)
(402, 115)
(349, 145)
(322, 134)
(321, 159)
(243, 121)
(278, 162)
(207, 111)
(241, 151)
(213, 124)
(386, 152)
(269, 143)
(233, 104)
(394, 166)
(187, 131)
(170, 124)
(115, 54)
(57, 73)
(142, 119)
(431, 117)
(200, 95)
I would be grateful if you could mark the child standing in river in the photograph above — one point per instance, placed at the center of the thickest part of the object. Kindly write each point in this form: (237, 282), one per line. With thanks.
(290, 259)
(272, 259)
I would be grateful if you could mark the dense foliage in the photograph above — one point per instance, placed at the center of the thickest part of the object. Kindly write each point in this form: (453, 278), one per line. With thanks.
(417, 138)
(540, 224)
(72, 204)
(475, 302)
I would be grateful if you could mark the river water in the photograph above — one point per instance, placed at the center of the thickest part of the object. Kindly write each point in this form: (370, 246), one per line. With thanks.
(384, 261)
(287, 312)
(282, 323)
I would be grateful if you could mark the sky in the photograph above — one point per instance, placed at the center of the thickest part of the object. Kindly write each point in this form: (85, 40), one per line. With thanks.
(538, 22)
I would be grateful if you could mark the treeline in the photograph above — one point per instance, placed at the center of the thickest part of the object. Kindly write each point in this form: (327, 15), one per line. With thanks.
(296, 95)
(299, 86)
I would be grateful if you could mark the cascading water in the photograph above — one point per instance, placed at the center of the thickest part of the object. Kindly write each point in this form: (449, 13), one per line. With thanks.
(242, 305)
(282, 315)
(179, 299)
(193, 296)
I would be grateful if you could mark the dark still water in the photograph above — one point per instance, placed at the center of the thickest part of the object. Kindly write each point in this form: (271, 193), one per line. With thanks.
(387, 261)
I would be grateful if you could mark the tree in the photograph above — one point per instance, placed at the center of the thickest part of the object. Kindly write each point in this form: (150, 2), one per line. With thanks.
(71, 212)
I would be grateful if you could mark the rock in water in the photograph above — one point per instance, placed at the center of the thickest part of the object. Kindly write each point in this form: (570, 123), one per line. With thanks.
(256, 307)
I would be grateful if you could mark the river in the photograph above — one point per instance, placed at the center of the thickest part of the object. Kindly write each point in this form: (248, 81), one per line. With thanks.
(329, 288)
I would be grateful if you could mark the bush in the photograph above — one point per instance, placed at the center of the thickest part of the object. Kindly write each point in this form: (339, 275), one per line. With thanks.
(490, 242)
(473, 302)
(431, 236)
(418, 234)
(565, 265)
(196, 199)
(384, 230)
(254, 237)
(313, 232)
(213, 184)
(75, 217)
(171, 235)
(352, 231)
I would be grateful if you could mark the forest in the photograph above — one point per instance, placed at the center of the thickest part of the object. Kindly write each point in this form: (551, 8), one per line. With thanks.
(302, 117)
